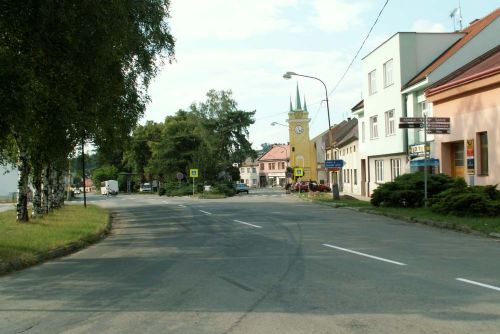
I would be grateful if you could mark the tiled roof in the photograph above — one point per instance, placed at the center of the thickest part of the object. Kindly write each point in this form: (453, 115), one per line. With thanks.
(484, 66)
(277, 152)
(342, 131)
(471, 31)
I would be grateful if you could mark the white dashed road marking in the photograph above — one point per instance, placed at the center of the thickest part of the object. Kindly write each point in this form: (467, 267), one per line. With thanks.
(479, 284)
(205, 212)
(366, 255)
(241, 222)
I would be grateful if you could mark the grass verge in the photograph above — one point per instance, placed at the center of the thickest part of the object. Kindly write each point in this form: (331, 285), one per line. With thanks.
(484, 225)
(59, 233)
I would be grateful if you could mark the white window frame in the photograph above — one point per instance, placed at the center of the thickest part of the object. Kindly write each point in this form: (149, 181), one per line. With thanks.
(395, 168)
(390, 126)
(374, 127)
(379, 170)
(372, 82)
(388, 73)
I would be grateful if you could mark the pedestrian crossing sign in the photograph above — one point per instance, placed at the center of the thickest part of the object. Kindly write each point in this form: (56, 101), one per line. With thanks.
(193, 172)
(298, 172)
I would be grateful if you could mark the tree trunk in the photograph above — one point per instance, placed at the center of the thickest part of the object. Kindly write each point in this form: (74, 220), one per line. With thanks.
(22, 187)
(37, 196)
(46, 189)
(52, 189)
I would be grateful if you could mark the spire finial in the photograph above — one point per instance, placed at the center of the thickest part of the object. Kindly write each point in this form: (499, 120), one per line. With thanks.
(291, 107)
(305, 105)
(298, 105)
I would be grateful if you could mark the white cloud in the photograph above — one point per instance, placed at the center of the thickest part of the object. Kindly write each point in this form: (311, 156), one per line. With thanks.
(423, 25)
(227, 19)
(338, 15)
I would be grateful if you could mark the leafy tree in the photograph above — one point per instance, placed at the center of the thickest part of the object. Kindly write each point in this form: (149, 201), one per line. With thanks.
(104, 173)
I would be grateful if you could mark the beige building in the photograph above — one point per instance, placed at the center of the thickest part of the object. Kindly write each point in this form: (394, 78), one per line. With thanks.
(470, 97)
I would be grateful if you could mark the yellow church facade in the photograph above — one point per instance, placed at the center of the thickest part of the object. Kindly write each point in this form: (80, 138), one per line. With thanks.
(302, 150)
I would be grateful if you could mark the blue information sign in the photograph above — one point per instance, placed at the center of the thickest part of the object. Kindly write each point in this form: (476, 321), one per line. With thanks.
(334, 163)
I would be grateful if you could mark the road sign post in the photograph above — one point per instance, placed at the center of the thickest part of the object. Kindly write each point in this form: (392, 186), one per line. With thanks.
(193, 172)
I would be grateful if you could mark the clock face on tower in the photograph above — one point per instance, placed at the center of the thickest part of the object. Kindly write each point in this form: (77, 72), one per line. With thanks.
(299, 129)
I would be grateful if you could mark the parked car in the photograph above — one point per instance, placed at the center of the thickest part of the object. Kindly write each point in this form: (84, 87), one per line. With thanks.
(76, 191)
(320, 187)
(241, 188)
(145, 187)
(301, 186)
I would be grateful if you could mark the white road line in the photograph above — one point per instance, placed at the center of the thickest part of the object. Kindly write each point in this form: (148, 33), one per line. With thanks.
(207, 213)
(367, 255)
(477, 283)
(182, 206)
(165, 202)
(239, 221)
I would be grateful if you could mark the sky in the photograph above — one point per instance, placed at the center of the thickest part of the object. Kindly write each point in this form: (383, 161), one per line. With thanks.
(247, 45)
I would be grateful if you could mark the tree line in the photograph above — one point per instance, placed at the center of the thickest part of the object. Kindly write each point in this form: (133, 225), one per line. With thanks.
(211, 136)
(73, 71)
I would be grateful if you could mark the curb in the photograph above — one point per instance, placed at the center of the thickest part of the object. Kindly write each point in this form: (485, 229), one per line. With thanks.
(72, 247)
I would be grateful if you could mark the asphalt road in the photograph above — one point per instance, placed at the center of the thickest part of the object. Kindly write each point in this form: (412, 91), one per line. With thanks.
(262, 263)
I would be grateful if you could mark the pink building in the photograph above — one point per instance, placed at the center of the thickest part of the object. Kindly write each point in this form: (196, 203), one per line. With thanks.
(273, 164)
(470, 97)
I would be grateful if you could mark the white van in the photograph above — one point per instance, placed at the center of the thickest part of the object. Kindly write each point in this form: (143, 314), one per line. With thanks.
(146, 187)
(109, 187)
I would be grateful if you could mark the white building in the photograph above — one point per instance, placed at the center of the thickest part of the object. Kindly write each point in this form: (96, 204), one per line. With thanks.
(320, 147)
(249, 173)
(478, 38)
(348, 151)
(382, 146)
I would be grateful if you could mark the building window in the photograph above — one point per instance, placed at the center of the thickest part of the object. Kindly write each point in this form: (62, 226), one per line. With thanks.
(389, 123)
(483, 153)
(354, 148)
(248, 170)
(388, 73)
(379, 170)
(395, 168)
(272, 165)
(373, 127)
(254, 170)
(372, 82)
(262, 166)
(362, 132)
(355, 176)
(254, 182)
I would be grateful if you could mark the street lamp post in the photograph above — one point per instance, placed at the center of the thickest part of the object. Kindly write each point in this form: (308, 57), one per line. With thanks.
(288, 75)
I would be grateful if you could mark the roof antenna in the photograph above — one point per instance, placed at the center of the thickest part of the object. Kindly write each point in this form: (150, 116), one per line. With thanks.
(454, 13)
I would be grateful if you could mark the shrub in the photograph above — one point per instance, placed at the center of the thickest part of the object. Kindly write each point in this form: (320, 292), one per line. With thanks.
(462, 200)
(180, 189)
(407, 190)
(226, 188)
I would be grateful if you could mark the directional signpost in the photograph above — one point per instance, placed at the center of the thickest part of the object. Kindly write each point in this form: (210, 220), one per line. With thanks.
(430, 125)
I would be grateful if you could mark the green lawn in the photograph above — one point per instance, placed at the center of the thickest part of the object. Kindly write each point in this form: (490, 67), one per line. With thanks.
(23, 243)
(485, 225)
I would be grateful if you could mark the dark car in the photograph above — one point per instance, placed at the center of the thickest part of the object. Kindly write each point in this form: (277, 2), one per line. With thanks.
(241, 188)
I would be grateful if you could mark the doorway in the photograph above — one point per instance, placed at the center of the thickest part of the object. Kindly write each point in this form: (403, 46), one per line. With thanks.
(457, 159)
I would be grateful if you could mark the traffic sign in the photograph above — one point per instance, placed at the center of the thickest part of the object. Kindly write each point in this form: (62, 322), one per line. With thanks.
(411, 125)
(193, 172)
(438, 131)
(438, 120)
(298, 172)
(438, 125)
(179, 176)
(411, 119)
(334, 163)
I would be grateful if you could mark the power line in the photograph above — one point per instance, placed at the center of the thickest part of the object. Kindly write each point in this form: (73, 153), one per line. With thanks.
(359, 50)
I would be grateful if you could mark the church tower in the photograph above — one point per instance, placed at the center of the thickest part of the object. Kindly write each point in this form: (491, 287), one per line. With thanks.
(302, 149)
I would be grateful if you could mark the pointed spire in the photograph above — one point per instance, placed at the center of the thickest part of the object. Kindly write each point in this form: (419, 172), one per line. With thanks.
(298, 106)
(291, 107)
(305, 105)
